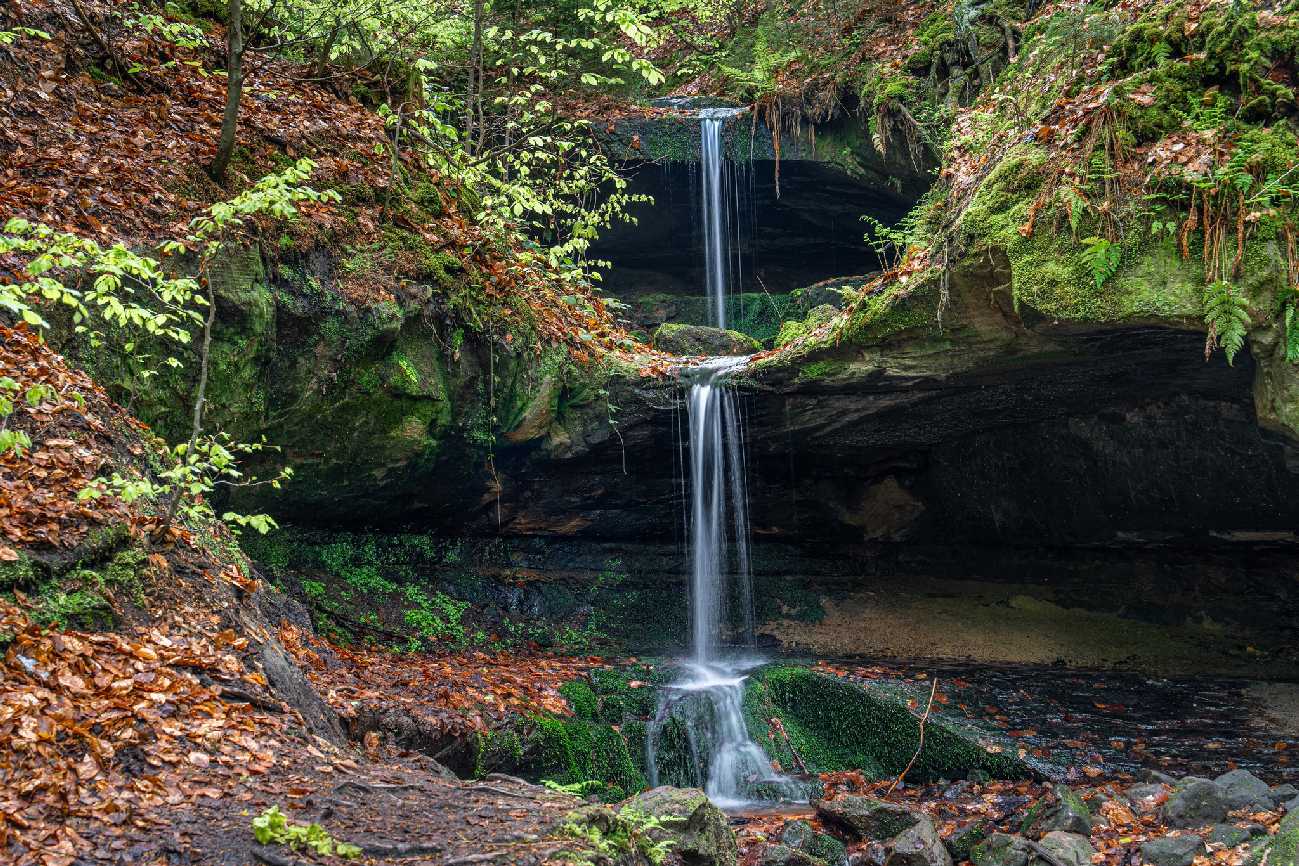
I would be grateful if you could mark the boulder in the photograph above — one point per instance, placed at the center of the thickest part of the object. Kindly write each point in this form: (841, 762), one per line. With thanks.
(679, 339)
(1071, 849)
(866, 817)
(1292, 806)
(1283, 793)
(783, 855)
(801, 836)
(1230, 835)
(1243, 790)
(797, 834)
(961, 844)
(1195, 803)
(1172, 850)
(699, 830)
(1146, 798)
(1068, 814)
(1002, 849)
(918, 845)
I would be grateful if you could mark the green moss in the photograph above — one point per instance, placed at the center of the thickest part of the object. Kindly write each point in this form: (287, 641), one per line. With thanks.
(580, 697)
(85, 596)
(1282, 849)
(570, 751)
(19, 573)
(835, 725)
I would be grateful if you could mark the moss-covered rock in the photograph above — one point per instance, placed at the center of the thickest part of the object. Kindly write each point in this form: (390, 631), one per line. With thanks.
(1282, 849)
(698, 830)
(835, 725)
(690, 340)
(567, 751)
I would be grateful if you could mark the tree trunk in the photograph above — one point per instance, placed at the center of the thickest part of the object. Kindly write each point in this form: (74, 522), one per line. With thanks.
(200, 397)
(474, 88)
(234, 91)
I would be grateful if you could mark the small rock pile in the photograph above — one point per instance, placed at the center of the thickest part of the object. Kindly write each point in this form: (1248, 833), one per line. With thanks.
(1162, 821)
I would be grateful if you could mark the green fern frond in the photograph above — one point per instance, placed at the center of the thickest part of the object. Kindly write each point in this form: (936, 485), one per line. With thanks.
(1102, 258)
(1226, 313)
(1291, 334)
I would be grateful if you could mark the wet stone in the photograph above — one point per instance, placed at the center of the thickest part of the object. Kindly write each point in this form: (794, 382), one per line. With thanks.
(1283, 793)
(918, 845)
(1230, 835)
(1243, 790)
(961, 844)
(1001, 849)
(1071, 849)
(1172, 850)
(1195, 803)
(797, 834)
(801, 836)
(1068, 814)
(867, 817)
(783, 855)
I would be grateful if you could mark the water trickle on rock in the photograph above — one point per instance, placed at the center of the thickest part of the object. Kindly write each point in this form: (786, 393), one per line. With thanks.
(707, 708)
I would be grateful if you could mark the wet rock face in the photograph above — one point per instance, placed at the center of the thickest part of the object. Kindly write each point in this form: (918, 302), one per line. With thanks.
(812, 232)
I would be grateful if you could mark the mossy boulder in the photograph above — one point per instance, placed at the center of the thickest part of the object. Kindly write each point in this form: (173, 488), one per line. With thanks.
(691, 340)
(792, 330)
(801, 836)
(1002, 849)
(698, 830)
(832, 724)
(564, 750)
(1067, 814)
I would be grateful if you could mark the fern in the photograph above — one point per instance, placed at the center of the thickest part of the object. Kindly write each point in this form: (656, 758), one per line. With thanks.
(1227, 315)
(1102, 258)
(1076, 205)
(1291, 334)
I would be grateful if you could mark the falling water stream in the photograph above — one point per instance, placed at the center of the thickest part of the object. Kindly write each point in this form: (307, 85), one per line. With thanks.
(709, 704)
(714, 213)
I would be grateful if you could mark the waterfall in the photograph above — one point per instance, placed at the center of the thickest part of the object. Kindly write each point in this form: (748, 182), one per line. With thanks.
(716, 480)
(709, 703)
(714, 210)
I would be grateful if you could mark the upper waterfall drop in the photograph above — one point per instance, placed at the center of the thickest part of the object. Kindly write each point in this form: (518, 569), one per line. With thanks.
(717, 224)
